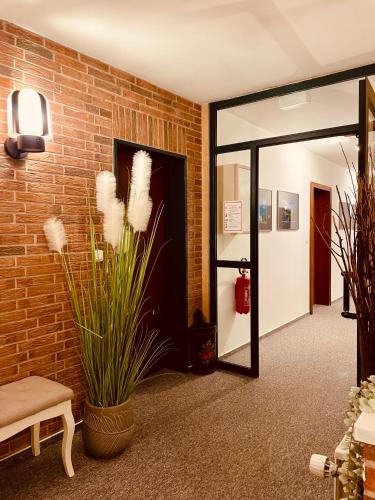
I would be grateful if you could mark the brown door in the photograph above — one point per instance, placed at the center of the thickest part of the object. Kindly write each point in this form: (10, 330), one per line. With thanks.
(320, 237)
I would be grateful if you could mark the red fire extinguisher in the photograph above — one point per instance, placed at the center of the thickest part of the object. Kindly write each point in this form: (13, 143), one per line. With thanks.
(242, 291)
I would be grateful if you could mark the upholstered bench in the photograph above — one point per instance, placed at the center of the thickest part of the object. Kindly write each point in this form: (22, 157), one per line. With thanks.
(27, 402)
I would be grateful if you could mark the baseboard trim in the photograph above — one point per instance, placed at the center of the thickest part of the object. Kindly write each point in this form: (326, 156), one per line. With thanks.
(275, 330)
(281, 327)
(271, 332)
(229, 353)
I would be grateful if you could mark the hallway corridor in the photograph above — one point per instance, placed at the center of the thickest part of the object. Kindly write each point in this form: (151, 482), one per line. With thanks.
(220, 436)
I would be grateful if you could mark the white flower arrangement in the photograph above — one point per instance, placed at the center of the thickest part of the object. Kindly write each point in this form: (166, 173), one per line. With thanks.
(55, 234)
(360, 399)
(109, 305)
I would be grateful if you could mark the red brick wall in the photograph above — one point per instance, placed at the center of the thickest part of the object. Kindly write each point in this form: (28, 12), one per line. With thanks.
(91, 103)
(369, 456)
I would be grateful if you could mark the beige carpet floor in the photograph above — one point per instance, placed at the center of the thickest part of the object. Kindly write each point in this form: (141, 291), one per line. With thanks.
(221, 436)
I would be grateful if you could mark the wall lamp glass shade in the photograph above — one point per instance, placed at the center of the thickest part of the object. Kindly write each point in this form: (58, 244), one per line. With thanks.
(28, 123)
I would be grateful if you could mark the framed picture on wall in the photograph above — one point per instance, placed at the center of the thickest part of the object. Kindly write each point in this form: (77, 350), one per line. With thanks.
(265, 210)
(287, 210)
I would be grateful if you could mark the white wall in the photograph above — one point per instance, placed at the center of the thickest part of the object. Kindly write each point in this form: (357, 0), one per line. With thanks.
(283, 255)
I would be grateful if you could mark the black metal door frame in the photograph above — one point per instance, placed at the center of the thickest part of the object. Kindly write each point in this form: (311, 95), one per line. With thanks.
(254, 149)
(180, 357)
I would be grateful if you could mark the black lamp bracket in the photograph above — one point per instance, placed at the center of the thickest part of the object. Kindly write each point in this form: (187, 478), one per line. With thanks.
(18, 147)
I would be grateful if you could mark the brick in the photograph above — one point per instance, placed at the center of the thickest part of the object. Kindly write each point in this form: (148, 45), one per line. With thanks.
(44, 269)
(12, 250)
(90, 61)
(369, 452)
(41, 331)
(17, 326)
(36, 364)
(102, 75)
(7, 38)
(23, 43)
(14, 239)
(15, 74)
(34, 69)
(19, 32)
(38, 342)
(37, 312)
(47, 320)
(56, 47)
(12, 294)
(47, 349)
(41, 61)
(6, 82)
(38, 300)
(122, 75)
(42, 84)
(370, 479)
(77, 75)
(12, 338)
(70, 83)
(34, 198)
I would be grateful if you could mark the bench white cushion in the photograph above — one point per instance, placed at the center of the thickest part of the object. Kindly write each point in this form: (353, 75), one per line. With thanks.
(28, 396)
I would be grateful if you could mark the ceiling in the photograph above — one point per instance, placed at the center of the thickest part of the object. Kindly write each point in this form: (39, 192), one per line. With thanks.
(330, 149)
(207, 50)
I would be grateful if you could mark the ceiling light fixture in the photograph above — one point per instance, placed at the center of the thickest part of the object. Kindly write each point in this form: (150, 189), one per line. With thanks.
(28, 123)
(293, 101)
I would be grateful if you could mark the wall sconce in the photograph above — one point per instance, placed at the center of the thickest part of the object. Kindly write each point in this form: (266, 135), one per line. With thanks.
(28, 123)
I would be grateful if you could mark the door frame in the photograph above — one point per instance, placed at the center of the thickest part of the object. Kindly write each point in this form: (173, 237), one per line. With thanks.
(366, 105)
(180, 261)
(254, 147)
(322, 187)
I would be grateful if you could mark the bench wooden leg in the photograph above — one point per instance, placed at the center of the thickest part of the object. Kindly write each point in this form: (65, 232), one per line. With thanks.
(35, 441)
(69, 427)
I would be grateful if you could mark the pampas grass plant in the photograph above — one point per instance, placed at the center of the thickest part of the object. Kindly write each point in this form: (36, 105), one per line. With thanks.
(117, 348)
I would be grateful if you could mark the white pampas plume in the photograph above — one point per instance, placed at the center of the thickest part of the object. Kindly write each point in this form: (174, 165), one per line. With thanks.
(113, 224)
(105, 190)
(140, 203)
(139, 211)
(55, 234)
(141, 172)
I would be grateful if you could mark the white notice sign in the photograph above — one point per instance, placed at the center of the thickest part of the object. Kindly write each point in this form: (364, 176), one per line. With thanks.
(232, 216)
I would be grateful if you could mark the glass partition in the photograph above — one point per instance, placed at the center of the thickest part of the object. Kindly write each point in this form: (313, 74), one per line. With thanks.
(246, 199)
(314, 109)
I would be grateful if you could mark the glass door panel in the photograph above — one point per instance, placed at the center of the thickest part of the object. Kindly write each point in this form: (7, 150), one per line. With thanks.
(233, 328)
(235, 183)
(233, 206)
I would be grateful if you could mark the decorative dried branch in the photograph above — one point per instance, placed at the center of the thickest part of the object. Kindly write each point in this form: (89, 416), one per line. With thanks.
(353, 248)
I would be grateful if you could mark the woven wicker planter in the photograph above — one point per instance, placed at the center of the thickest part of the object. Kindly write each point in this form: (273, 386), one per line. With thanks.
(107, 431)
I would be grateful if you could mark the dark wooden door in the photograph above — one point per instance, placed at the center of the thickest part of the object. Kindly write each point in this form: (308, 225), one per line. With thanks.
(320, 254)
(166, 304)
